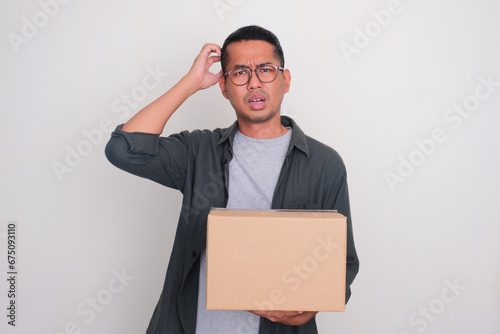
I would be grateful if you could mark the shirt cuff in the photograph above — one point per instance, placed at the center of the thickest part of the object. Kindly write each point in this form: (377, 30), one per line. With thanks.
(140, 142)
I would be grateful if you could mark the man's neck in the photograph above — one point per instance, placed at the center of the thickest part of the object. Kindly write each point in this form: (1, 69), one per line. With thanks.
(265, 130)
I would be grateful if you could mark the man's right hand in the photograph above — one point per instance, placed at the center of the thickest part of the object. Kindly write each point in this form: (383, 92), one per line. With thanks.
(152, 118)
(200, 75)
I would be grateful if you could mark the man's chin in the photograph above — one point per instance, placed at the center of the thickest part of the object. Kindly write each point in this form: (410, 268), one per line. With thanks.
(256, 117)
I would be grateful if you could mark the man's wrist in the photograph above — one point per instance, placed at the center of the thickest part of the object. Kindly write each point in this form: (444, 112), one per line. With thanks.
(189, 85)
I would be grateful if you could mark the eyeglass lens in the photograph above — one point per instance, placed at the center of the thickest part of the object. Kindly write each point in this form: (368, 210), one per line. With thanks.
(265, 73)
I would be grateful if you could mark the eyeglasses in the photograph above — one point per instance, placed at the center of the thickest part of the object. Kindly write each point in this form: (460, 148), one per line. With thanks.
(265, 73)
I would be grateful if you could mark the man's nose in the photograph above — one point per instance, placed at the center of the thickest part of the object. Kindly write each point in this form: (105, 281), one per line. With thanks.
(254, 82)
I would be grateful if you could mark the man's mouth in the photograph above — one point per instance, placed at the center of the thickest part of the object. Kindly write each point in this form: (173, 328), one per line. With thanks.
(257, 101)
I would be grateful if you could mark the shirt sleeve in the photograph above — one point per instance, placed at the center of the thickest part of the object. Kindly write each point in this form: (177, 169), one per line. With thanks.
(160, 159)
(341, 204)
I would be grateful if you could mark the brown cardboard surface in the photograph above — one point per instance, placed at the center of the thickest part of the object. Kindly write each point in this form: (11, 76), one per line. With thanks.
(291, 260)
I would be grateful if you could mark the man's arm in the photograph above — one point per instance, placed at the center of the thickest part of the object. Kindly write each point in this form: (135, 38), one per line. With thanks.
(137, 148)
(152, 118)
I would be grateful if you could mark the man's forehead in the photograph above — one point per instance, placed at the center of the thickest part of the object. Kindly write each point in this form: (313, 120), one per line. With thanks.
(253, 52)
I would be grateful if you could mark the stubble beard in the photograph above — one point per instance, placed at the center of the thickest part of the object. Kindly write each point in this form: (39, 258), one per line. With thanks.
(258, 116)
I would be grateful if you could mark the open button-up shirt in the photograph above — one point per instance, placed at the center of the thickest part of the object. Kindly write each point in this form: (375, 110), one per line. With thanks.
(196, 163)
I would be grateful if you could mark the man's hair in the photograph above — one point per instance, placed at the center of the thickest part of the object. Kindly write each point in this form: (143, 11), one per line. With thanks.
(252, 33)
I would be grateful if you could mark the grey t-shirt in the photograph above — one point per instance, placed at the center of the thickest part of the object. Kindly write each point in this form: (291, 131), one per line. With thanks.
(253, 174)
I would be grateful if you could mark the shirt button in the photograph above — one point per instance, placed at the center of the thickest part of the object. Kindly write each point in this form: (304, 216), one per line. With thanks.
(193, 254)
(224, 161)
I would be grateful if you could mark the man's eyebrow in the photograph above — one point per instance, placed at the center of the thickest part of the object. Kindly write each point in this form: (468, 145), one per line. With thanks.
(245, 66)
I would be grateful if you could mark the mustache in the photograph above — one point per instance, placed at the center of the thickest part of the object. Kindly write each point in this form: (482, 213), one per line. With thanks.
(262, 92)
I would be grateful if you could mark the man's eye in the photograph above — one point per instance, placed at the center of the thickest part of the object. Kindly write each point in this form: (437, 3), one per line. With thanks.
(239, 72)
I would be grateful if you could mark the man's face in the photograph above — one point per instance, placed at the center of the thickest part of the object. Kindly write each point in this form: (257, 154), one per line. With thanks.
(255, 102)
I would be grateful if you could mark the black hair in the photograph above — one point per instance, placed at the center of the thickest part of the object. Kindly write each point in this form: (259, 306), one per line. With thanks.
(252, 33)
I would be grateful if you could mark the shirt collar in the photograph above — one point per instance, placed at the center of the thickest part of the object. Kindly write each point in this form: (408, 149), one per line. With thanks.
(298, 137)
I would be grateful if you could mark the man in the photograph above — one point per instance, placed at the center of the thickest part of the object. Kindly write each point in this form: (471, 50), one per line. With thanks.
(262, 161)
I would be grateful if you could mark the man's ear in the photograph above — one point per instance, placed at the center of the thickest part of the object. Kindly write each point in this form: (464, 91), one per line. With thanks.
(288, 78)
(222, 85)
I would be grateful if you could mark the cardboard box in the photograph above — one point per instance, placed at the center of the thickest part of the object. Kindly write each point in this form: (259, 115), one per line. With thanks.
(292, 260)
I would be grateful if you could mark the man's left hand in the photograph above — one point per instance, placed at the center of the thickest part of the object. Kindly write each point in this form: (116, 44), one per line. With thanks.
(291, 318)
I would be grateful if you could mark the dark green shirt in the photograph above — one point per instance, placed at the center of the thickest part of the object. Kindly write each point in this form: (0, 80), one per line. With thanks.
(196, 163)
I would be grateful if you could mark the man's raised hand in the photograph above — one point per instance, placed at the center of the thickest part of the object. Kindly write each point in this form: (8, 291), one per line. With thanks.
(153, 117)
(200, 74)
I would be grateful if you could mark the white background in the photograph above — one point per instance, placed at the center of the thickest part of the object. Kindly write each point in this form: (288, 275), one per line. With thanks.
(76, 230)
